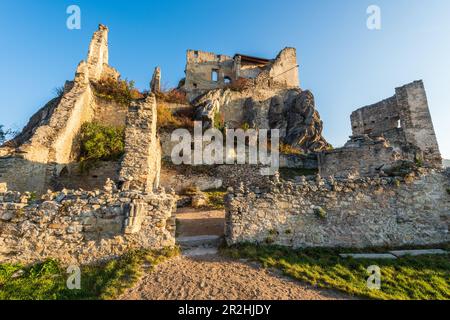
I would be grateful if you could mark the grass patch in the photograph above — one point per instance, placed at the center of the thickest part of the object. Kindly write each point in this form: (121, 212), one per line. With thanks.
(47, 280)
(421, 277)
(292, 173)
(216, 198)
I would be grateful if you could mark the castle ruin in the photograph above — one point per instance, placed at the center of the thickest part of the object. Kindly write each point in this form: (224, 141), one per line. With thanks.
(384, 187)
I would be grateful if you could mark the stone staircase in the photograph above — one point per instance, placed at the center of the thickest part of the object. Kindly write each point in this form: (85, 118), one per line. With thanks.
(203, 245)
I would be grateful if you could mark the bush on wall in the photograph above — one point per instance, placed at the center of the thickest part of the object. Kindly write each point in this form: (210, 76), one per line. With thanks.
(100, 143)
(121, 91)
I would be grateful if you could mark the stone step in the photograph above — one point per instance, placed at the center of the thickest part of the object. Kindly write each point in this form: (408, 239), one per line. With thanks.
(204, 241)
(368, 255)
(402, 253)
(196, 252)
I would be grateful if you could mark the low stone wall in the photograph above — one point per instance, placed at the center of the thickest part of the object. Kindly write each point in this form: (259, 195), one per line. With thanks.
(342, 213)
(82, 227)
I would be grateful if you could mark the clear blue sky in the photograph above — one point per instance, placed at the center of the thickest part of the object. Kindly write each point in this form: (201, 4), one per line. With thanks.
(346, 65)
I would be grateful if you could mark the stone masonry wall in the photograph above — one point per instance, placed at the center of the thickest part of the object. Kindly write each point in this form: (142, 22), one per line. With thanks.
(47, 144)
(82, 227)
(342, 213)
(403, 119)
(142, 160)
(361, 156)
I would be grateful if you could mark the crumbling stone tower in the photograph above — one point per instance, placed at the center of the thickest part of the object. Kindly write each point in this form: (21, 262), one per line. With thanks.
(34, 160)
(404, 120)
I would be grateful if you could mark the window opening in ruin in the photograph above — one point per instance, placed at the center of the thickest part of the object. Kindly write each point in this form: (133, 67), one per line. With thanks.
(399, 124)
(195, 54)
(227, 80)
(195, 85)
(215, 75)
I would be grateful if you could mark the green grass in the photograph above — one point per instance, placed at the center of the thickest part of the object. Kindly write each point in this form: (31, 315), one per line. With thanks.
(216, 198)
(420, 277)
(292, 173)
(47, 280)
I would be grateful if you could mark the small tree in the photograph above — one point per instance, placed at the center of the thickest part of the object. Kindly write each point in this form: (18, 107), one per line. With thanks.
(6, 134)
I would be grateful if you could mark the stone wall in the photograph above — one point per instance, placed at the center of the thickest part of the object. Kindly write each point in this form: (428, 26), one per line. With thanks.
(74, 177)
(81, 226)
(48, 143)
(361, 156)
(140, 168)
(342, 213)
(403, 119)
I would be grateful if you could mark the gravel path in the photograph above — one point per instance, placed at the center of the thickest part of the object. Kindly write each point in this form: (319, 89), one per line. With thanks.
(219, 278)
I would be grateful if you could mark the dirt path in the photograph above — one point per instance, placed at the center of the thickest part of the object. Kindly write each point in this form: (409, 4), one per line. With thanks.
(218, 278)
(192, 222)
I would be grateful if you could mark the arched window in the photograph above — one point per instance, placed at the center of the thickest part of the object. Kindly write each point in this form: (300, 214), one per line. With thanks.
(227, 80)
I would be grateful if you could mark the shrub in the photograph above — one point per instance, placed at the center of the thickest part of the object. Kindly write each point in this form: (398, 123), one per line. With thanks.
(169, 120)
(172, 96)
(121, 91)
(59, 91)
(99, 142)
(216, 198)
(320, 212)
(6, 134)
(288, 149)
(219, 121)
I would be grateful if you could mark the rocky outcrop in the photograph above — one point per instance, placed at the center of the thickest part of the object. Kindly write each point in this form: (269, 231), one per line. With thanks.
(298, 120)
(209, 105)
(291, 111)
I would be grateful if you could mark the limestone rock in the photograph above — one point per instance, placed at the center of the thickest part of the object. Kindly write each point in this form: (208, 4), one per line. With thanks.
(301, 121)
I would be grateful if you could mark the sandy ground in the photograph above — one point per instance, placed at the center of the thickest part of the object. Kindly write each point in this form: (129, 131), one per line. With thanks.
(214, 277)
(218, 278)
(194, 222)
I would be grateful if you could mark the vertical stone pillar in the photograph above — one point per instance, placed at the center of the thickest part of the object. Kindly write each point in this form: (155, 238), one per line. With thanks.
(416, 121)
(155, 84)
(141, 163)
(98, 53)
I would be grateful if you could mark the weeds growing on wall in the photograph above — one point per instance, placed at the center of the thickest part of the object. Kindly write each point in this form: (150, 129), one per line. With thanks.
(121, 91)
(100, 143)
(47, 280)
(172, 96)
(219, 122)
(289, 150)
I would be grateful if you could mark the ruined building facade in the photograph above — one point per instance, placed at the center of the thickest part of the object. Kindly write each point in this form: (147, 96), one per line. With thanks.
(208, 71)
(47, 149)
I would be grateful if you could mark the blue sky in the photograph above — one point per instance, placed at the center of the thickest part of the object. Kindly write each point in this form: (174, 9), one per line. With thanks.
(345, 65)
